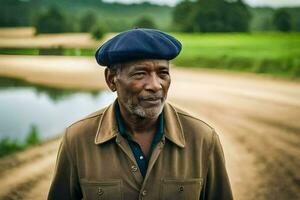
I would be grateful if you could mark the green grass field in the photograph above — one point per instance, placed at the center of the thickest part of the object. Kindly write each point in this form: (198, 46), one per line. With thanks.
(272, 53)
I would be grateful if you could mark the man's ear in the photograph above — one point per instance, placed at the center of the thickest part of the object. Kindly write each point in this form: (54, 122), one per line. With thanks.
(110, 78)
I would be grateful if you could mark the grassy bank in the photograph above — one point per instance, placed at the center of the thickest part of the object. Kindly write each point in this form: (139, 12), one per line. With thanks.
(9, 146)
(48, 51)
(271, 53)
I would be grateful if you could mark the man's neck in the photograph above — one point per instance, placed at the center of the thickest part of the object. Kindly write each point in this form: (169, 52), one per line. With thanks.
(138, 125)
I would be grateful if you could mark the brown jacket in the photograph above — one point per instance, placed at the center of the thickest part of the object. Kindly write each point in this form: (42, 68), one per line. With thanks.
(95, 162)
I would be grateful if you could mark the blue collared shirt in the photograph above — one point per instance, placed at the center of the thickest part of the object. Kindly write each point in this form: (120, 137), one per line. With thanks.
(140, 158)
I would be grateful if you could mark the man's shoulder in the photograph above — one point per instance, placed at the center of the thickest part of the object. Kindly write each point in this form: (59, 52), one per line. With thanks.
(190, 117)
(87, 126)
(89, 117)
(193, 126)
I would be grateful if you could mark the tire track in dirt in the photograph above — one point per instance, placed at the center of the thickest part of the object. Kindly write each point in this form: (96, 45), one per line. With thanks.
(22, 190)
(30, 155)
(40, 191)
(31, 166)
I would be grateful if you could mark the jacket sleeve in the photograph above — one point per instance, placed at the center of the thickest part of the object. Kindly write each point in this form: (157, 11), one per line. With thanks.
(216, 183)
(65, 184)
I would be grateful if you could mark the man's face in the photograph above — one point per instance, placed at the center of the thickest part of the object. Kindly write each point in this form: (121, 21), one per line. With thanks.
(142, 87)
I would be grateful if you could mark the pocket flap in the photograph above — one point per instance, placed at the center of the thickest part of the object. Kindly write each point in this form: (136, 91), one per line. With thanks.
(104, 189)
(188, 189)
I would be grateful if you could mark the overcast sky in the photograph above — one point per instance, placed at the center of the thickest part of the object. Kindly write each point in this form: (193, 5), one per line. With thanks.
(273, 3)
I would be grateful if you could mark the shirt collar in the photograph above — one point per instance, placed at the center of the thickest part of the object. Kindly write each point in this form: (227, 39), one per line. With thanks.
(120, 122)
(108, 128)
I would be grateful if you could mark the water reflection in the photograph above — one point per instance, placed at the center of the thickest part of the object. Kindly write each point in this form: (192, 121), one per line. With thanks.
(55, 94)
(49, 109)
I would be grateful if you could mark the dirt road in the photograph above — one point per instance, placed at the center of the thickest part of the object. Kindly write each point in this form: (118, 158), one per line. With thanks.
(257, 120)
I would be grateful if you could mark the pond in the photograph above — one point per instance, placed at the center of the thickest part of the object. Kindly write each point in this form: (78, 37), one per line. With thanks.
(49, 110)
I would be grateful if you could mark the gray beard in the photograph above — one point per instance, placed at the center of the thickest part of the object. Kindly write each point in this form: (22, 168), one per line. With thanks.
(144, 112)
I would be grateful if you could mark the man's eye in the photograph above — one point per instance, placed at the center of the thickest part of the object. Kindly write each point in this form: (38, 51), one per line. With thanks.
(164, 73)
(139, 74)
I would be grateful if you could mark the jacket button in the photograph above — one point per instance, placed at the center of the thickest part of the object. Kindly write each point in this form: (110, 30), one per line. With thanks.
(180, 189)
(144, 193)
(100, 191)
(134, 168)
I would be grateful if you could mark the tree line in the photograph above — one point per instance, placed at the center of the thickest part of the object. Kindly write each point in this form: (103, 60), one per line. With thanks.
(188, 16)
(115, 16)
(55, 21)
(224, 16)
(212, 16)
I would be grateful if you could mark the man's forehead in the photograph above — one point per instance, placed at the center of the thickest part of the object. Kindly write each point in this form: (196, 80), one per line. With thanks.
(147, 62)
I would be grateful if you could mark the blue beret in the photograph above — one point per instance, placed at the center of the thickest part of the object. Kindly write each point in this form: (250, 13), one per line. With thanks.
(138, 44)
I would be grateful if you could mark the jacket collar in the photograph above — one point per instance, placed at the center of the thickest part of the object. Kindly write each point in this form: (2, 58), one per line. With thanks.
(107, 128)
(173, 128)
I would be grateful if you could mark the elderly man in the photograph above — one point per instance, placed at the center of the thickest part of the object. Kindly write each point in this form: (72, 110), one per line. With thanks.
(140, 147)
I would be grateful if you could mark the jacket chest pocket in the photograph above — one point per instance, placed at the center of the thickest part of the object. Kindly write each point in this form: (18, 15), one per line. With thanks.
(181, 189)
(101, 190)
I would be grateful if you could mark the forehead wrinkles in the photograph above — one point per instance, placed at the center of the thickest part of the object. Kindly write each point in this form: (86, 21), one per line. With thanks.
(146, 63)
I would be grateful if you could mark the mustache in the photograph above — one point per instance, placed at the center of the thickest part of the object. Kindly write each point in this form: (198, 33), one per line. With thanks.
(152, 96)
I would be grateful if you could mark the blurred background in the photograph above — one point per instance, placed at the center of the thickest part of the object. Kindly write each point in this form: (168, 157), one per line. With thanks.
(239, 71)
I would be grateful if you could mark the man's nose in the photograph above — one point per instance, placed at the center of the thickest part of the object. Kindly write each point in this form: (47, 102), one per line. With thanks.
(153, 83)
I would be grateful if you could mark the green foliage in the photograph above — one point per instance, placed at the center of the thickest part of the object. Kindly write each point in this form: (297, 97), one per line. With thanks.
(14, 13)
(47, 51)
(282, 20)
(9, 146)
(87, 21)
(237, 17)
(53, 21)
(17, 51)
(295, 18)
(212, 16)
(185, 23)
(98, 32)
(145, 22)
(296, 70)
(33, 136)
(262, 19)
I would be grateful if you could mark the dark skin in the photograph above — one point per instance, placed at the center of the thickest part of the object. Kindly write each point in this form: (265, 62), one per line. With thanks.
(144, 84)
